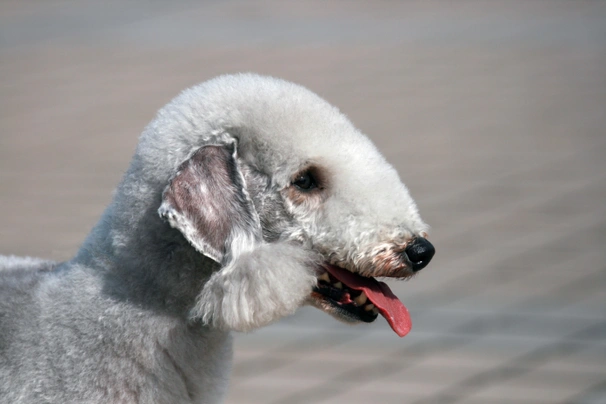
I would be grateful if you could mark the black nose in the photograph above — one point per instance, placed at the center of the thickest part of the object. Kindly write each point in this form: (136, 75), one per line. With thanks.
(420, 252)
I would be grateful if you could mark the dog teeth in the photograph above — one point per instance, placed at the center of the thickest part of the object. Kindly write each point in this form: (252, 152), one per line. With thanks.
(375, 311)
(338, 285)
(369, 307)
(360, 300)
(324, 277)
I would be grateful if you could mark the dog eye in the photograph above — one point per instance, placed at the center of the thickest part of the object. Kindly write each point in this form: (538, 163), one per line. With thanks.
(305, 182)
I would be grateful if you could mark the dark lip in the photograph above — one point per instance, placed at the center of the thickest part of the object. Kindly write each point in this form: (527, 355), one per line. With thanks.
(334, 296)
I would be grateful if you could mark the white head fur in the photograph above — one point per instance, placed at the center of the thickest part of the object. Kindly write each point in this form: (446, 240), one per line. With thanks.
(273, 236)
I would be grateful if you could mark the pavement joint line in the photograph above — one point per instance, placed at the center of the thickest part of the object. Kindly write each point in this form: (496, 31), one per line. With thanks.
(272, 361)
(581, 283)
(476, 187)
(461, 288)
(590, 395)
(515, 367)
(581, 221)
(501, 212)
(360, 374)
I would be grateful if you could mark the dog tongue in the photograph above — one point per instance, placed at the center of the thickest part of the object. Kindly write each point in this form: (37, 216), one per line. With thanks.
(380, 295)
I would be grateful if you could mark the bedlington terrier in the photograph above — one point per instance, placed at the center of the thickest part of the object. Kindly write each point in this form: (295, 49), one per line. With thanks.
(247, 197)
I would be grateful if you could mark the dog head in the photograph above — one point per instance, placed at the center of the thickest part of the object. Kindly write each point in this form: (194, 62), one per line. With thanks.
(288, 198)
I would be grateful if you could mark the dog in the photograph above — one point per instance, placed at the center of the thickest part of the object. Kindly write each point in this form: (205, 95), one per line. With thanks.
(247, 197)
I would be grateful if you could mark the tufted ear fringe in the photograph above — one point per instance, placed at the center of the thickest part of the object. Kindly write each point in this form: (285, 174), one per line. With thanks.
(257, 288)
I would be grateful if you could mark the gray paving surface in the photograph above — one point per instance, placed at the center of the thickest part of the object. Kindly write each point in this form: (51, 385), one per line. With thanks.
(494, 113)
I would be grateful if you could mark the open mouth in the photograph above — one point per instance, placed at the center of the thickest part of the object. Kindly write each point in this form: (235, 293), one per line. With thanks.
(353, 297)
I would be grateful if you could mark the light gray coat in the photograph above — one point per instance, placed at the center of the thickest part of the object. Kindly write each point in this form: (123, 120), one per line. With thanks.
(211, 230)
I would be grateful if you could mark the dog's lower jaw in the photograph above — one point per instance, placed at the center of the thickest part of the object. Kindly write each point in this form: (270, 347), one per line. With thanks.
(337, 312)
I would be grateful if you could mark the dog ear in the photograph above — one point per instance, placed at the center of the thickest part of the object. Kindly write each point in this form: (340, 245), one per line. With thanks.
(207, 201)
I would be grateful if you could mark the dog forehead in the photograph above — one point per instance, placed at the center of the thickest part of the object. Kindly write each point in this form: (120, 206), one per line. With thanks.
(281, 126)
(360, 182)
(286, 148)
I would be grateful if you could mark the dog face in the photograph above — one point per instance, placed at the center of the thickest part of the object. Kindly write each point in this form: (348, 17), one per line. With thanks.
(292, 202)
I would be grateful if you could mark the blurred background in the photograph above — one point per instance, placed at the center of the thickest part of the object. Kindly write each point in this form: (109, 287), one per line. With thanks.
(494, 114)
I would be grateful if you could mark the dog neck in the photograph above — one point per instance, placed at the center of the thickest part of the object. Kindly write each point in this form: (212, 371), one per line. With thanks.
(125, 250)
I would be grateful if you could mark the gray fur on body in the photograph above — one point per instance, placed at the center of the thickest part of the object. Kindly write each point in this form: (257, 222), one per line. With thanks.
(206, 235)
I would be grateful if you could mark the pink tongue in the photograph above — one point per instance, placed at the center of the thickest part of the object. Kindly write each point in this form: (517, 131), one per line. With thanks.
(380, 295)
